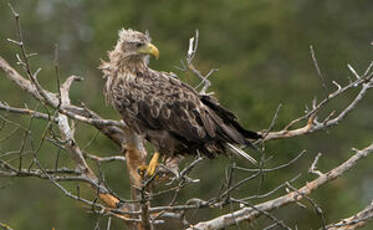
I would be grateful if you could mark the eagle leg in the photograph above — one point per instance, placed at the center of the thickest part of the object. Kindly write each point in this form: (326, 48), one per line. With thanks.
(153, 164)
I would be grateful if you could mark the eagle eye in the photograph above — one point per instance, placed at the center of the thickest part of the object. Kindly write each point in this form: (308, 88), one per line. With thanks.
(139, 44)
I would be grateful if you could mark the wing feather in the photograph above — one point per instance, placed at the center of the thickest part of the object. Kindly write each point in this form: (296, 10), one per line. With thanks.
(161, 102)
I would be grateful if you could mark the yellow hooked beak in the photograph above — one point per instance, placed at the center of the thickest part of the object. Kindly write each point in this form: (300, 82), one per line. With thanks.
(149, 48)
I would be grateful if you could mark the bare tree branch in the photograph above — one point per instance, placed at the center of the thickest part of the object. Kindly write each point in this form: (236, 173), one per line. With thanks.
(5, 226)
(249, 214)
(356, 221)
(313, 125)
(110, 128)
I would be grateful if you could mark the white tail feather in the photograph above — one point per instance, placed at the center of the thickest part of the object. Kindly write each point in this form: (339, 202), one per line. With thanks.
(240, 152)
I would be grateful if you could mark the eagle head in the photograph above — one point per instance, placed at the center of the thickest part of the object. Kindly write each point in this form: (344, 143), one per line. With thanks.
(134, 45)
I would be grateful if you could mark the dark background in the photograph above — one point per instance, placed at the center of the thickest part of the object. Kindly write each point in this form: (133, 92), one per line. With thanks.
(262, 50)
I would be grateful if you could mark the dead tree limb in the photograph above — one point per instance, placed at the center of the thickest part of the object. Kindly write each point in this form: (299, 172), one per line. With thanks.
(249, 214)
(356, 221)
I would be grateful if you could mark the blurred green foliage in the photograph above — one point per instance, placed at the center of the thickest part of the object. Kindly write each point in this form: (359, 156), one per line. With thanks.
(262, 50)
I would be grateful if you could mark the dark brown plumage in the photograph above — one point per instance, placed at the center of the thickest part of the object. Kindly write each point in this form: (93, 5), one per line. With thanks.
(171, 114)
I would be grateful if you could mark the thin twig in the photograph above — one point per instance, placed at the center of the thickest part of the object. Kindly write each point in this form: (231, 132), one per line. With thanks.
(313, 169)
(322, 78)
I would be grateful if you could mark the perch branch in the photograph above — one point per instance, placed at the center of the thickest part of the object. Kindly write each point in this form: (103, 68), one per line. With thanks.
(68, 138)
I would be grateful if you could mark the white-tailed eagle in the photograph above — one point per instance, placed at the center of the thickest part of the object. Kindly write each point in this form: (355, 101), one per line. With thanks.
(169, 113)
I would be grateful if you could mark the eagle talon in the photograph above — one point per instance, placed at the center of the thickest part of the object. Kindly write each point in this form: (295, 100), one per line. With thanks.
(149, 170)
(152, 165)
(142, 169)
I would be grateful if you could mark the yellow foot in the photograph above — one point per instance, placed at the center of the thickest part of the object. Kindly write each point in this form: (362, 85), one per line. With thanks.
(152, 165)
(149, 170)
